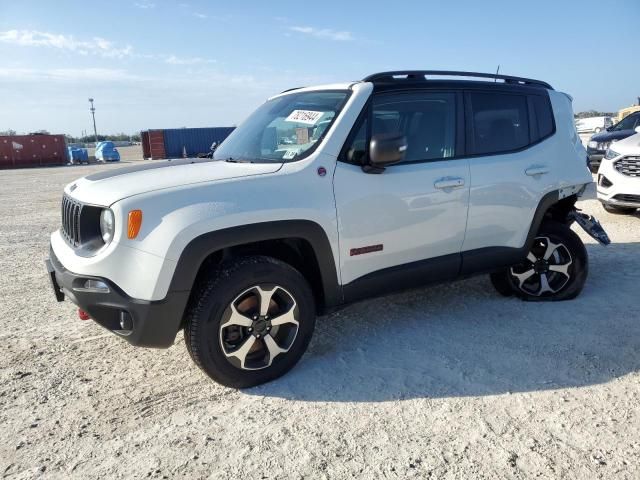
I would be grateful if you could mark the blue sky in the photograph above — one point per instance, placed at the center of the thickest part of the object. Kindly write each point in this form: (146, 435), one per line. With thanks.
(157, 64)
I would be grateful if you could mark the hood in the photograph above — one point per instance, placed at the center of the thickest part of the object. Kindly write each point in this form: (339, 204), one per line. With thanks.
(106, 187)
(628, 146)
(609, 136)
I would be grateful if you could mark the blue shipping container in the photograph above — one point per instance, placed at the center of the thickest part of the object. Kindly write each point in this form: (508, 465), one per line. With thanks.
(193, 141)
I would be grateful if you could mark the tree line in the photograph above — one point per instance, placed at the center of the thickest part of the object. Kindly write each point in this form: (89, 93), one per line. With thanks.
(119, 137)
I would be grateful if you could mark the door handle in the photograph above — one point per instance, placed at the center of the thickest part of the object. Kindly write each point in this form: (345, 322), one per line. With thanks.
(449, 182)
(536, 170)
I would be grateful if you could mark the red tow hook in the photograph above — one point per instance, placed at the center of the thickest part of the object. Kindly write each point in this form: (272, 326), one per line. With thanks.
(82, 315)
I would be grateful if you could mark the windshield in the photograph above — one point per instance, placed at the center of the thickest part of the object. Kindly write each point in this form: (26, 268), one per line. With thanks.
(284, 129)
(627, 123)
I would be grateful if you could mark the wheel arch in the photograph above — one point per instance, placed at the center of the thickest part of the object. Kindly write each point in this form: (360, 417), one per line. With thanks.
(301, 243)
(552, 206)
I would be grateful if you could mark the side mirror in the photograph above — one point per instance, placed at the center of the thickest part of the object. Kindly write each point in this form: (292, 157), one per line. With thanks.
(385, 149)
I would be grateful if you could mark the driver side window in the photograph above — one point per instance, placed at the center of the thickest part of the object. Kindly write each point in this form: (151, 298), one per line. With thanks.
(426, 119)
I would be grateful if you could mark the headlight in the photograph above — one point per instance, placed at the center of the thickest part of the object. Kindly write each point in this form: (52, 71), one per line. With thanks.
(106, 225)
(593, 144)
(611, 154)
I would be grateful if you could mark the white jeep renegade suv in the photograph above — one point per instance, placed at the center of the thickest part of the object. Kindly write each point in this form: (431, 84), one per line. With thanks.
(322, 197)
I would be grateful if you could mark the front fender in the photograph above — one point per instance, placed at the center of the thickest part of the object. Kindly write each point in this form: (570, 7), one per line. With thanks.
(204, 245)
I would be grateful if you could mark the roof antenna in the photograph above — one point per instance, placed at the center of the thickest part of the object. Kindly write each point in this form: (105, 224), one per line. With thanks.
(495, 79)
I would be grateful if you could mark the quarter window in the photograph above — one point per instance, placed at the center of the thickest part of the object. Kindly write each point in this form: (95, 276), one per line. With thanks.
(500, 122)
(544, 115)
(357, 149)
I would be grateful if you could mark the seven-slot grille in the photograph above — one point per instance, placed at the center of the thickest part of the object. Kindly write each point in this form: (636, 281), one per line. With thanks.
(629, 166)
(71, 211)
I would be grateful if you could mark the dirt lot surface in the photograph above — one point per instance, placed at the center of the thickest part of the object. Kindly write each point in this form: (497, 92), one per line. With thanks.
(452, 381)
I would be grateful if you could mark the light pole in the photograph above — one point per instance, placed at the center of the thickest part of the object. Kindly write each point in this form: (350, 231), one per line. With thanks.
(93, 114)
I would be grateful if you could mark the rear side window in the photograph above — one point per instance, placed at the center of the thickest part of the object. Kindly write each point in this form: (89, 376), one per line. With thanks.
(499, 122)
(544, 115)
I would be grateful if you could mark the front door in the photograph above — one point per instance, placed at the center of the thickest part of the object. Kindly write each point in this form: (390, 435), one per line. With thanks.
(406, 224)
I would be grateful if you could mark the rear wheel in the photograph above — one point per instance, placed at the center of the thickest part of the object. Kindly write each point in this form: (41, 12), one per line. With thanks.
(618, 210)
(555, 269)
(250, 322)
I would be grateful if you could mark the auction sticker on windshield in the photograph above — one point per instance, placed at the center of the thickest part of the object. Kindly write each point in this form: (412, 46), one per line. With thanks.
(309, 117)
(289, 154)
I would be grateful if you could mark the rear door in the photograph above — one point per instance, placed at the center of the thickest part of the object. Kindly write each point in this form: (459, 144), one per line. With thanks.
(390, 223)
(511, 166)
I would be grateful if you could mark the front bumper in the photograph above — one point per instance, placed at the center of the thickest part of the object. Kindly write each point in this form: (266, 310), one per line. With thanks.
(621, 200)
(141, 322)
(617, 189)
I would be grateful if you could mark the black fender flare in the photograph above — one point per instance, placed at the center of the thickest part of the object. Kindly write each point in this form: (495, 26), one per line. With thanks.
(546, 202)
(198, 249)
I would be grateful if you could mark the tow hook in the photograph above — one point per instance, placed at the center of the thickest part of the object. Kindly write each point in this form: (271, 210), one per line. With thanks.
(590, 225)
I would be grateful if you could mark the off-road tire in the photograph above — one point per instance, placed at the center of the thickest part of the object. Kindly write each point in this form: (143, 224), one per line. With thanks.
(578, 269)
(213, 296)
(501, 283)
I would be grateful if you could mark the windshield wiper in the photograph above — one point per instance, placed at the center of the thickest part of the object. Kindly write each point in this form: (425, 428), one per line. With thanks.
(237, 160)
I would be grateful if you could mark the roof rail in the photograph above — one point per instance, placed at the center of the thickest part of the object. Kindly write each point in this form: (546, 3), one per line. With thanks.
(422, 75)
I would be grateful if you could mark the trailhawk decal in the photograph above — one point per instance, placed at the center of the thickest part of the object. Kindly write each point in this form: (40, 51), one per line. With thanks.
(310, 117)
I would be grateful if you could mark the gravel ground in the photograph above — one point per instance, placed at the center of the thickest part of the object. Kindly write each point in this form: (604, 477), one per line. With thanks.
(452, 381)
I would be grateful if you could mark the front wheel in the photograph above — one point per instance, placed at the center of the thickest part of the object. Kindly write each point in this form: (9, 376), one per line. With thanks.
(555, 269)
(250, 321)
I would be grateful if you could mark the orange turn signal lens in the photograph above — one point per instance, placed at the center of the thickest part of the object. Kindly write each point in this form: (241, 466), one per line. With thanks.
(134, 224)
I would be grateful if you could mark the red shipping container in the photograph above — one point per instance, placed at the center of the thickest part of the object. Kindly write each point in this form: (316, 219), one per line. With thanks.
(156, 144)
(146, 150)
(17, 151)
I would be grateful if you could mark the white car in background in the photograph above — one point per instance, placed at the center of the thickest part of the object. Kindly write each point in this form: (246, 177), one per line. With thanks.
(619, 176)
(593, 124)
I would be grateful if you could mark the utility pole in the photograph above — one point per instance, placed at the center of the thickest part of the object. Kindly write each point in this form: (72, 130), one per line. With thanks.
(93, 114)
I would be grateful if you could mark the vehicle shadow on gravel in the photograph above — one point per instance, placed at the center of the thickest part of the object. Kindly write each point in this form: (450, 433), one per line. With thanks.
(463, 339)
